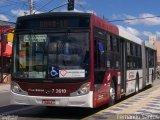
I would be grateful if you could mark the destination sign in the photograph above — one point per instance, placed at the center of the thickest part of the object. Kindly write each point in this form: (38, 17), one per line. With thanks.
(35, 38)
(54, 22)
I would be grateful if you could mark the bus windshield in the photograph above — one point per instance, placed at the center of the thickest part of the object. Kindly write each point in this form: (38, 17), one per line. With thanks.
(51, 55)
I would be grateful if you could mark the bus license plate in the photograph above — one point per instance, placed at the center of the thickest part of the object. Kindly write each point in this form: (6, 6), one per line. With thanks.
(48, 102)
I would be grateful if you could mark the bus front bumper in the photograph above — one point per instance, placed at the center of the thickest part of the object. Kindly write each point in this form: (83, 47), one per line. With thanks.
(75, 101)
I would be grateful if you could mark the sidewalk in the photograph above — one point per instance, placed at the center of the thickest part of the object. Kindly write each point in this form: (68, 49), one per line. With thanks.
(145, 105)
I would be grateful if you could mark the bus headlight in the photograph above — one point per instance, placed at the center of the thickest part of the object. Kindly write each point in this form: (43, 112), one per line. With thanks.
(84, 89)
(16, 89)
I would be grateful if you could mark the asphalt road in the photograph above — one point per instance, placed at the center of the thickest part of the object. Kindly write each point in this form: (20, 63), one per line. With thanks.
(43, 113)
(4, 98)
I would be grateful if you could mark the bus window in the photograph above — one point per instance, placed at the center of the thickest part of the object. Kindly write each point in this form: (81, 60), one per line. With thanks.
(151, 58)
(67, 51)
(118, 44)
(111, 42)
(132, 49)
(115, 49)
(37, 52)
(99, 54)
(108, 43)
(128, 48)
(101, 48)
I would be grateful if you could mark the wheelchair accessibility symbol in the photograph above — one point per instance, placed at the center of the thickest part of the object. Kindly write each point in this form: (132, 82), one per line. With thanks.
(54, 71)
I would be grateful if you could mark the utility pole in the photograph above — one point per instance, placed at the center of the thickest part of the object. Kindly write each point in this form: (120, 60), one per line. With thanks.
(30, 6)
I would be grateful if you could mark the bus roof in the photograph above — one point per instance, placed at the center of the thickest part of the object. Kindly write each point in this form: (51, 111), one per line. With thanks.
(103, 24)
(52, 14)
(123, 33)
(150, 45)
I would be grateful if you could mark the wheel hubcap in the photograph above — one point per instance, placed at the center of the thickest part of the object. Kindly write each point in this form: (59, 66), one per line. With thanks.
(137, 88)
(112, 93)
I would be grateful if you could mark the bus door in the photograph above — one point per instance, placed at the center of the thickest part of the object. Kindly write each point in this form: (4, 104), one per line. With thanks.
(99, 59)
(99, 56)
(123, 66)
(147, 65)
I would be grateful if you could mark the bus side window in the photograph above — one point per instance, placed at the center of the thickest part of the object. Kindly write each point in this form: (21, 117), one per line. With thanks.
(108, 43)
(99, 54)
(128, 48)
(115, 48)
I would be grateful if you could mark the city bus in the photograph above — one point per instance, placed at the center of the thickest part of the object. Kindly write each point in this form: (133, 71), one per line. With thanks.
(71, 59)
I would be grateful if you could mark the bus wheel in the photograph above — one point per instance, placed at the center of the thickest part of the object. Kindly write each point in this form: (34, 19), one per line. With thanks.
(137, 84)
(112, 93)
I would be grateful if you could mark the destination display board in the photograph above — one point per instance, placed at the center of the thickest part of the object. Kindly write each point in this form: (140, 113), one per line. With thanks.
(54, 22)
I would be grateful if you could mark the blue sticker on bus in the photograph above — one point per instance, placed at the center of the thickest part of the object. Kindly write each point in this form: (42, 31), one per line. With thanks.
(101, 48)
(54, 71)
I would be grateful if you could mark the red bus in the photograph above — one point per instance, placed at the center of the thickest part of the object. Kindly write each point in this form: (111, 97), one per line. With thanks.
(77, 60)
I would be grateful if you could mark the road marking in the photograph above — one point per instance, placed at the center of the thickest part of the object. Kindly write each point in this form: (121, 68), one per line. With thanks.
(112, 107)
(137, 105)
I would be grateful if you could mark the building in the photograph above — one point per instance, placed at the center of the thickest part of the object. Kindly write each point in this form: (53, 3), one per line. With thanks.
(6, 29)
(154, 41)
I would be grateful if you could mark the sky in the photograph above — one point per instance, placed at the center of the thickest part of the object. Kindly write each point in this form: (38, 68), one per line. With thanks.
(116, 11)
